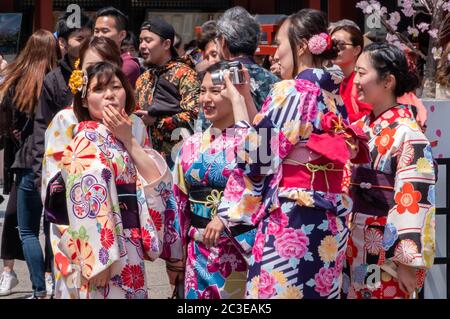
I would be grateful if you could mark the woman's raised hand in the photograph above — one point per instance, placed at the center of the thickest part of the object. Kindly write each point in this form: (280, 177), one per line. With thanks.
(118, 123)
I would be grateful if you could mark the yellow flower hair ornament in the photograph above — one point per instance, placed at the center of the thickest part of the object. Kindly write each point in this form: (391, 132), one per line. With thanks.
(78, 80)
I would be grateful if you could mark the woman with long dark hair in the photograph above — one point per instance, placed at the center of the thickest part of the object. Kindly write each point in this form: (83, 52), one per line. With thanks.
(289, 171)
(20, 92)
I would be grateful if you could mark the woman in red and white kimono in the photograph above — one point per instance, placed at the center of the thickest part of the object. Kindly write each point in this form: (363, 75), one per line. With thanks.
(392, 240)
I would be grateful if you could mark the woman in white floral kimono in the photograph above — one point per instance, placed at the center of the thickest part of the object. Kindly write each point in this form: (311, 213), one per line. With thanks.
(61, 130)
(115, 195)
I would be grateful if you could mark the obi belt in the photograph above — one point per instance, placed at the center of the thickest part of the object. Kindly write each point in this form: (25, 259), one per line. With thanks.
(372, 191)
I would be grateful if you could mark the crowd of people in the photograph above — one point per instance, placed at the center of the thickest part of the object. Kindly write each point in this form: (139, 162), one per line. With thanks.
(307, 177)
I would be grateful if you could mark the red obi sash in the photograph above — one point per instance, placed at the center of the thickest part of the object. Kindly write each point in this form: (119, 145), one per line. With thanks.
(318, 175)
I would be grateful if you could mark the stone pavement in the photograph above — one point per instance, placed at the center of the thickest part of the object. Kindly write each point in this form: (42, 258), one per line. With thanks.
(159, 287)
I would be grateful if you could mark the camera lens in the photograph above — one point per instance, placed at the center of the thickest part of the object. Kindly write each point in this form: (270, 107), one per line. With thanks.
(217, 78)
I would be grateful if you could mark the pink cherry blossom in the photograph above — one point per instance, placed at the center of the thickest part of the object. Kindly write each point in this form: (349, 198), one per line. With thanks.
(413, 31)
(423, 26)
(433, 33)
(394, 19)
(408, 9)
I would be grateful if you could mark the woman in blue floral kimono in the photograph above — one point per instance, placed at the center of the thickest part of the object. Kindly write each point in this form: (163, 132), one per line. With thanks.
(115, 195)
(214, 268)
(392, 240)
(287, 179)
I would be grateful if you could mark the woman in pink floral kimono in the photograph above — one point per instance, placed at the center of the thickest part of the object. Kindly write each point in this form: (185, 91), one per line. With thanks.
(115, 195)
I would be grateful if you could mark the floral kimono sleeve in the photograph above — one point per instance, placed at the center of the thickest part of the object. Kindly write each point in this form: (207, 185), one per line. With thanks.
(409, 236)
(92, 239)
(285, 120)
(152, 219)
(281, 124)
(177, 220)
(58, 135)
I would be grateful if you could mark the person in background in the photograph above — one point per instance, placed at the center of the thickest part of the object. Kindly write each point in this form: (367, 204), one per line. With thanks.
(131, 45)
(20, 93)
(112, 23)
(210, 55)
(275, 66)
(178, 45)
(11, 246)
(237, 40)
(207, 44)
(350, 42)
(167, 93)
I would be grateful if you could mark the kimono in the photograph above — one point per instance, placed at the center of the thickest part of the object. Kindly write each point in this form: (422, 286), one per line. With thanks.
(299, 247)
(200, 174)
(58, 136)
(403, 229)
(60, 133)
(115, 217)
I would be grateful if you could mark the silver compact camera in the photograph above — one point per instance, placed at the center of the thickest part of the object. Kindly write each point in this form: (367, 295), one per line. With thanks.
(236, 74)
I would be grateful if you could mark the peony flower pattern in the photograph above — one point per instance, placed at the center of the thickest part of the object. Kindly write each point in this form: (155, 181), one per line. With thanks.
(292, 243)
(324, 280)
